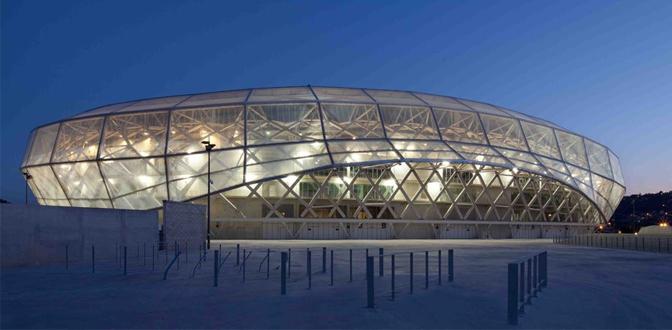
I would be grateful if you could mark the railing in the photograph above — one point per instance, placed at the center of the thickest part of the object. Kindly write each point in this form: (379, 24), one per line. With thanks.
(524, 284)
(660, 244)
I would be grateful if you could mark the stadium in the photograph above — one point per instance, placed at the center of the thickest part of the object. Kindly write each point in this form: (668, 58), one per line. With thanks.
(313, 162)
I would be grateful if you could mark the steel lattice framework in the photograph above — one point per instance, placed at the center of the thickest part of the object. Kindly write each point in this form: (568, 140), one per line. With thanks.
(462, 159)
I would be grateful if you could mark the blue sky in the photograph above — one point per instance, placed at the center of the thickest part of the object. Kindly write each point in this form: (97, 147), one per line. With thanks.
(600, 68)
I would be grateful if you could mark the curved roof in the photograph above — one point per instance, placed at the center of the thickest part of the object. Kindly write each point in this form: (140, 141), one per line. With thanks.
(269, 132)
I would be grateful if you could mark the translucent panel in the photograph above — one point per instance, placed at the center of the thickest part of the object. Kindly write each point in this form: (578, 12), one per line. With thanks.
(504, 132)
(598, 158)
(409, 122)
(285, 151)
(582, 179)
(617, 193)
(81, 180)
(328, 94)
(616, 168)
(425, 150)
(601, 204)
(394, 97)
(558, 170)
(478, 153)
(127, 176)
(351, 121)
(188, 173)
(572, 149)
(602, 185)
(152, 104)
(46, 183)
(43, 143)
(142, 200)
(281, 94)
(283, 123)
(135, 135)
(26, 153)
(78, 140)
(264, 162)
(441, 101)
(541, 139)
(459, 126)
(55, 202)
(105, 109)
(284, 167)
(218, 98)
(518, 155)
(348, 152)
(482, 107)
(97, 203)
(223, 126)
(528, 166)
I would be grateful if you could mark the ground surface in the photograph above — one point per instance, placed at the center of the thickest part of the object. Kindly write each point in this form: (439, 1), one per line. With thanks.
(588, 288)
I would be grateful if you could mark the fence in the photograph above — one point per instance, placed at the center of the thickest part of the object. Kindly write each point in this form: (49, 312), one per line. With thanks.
(661, 244)
(523, 285)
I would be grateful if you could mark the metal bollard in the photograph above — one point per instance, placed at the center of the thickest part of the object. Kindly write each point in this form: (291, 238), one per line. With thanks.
(324, 260)
(392, 295)
(237, 254)
(450, 265)
(216, 261)
(244, 262)
(350, 265)
(512, 299)
(544, 269)
(125, 259)
(289, 263)
(528, 281)
(426, 270)
(93, 259)
(67, 257)
(283, 273)
(369, 282)
(521, 287)
(535, 276)
(268, 263)
(380, 262)
(308, 269)
(439, 260)
(331, 267)
(411, 266)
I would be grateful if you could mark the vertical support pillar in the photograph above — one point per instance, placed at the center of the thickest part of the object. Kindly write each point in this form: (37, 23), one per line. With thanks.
(439, 260)
(308, 269)
(426, 270)
(521, 286)
(535, 275)
(393, 266)
(528, 281)
(331, 267)
(411, 268)
(450, 265)
(324, 260)
(268, 263)
(289, 263)
(125, 259)
(237, 254)
(244, 263)
(350, 265)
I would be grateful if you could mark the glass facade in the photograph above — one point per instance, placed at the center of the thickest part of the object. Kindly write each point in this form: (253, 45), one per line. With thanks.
(134, 155)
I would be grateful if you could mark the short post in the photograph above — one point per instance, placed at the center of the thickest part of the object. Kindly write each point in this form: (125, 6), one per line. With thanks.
(283, 273)
(237, 254)
(369, 282)
(426, 270)
(535, 276)
(125, 259)
(67, 257)
(308, 269)
(268, 263)
(216, 261)
(528, 281)
(392, 293)
(521, 287)
(450, 265)
(324, 260)
(331, 267)
(244, 262)
(544, 269)
(439, 260)
(93, 259)
(289, 263)
(411, 267)
(380, 262)
(512, 299)
(350, 265)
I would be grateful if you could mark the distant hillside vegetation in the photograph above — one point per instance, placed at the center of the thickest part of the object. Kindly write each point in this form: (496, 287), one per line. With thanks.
(640, 210)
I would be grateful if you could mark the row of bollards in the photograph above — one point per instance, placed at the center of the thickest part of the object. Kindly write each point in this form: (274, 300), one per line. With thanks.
(525, 279)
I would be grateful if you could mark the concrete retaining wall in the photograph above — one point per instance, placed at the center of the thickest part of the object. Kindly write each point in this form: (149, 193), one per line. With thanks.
(33, 235)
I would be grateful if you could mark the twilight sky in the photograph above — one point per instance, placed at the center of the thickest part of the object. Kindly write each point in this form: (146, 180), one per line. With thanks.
(600, 68)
